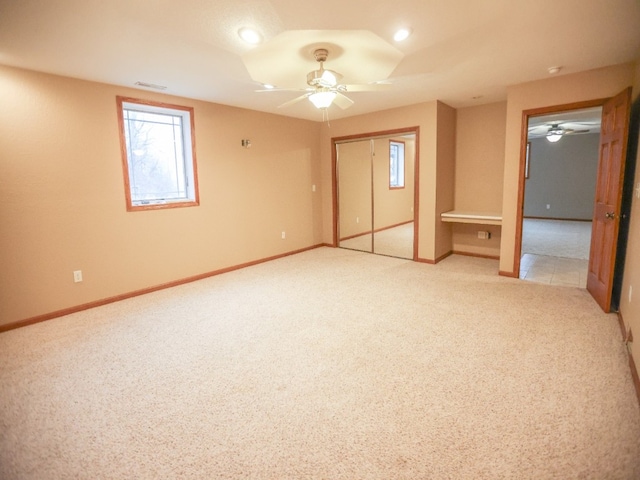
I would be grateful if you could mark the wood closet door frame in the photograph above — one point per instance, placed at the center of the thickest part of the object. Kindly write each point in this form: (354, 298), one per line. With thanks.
(416, 191)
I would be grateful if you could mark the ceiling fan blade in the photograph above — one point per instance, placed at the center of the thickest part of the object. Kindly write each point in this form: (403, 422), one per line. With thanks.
(539, 129)
(571, 132)
(369, 87)
(284, 90)
(342, 101)
(295, 100)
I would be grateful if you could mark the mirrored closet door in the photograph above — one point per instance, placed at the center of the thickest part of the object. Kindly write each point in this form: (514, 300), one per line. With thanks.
(375, 183)
(355, 195)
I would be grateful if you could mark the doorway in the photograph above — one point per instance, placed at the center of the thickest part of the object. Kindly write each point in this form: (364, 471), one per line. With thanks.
(375, 192)
(608, 207)
(559, 191)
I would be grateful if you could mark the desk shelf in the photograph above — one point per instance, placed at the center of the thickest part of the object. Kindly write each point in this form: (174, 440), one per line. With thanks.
(480, 218)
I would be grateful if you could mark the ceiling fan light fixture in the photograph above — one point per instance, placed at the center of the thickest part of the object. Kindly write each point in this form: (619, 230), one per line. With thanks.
(250, 35)
(554, 137)
(322, 99)
(555, 133)
(402, 34)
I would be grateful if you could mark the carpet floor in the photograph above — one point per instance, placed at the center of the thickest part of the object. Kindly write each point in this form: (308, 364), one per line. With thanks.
(329, 364)
(556, 238)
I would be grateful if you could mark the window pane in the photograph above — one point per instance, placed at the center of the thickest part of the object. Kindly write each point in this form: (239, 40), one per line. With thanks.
(156, 156)
(393, 165)
(396, 164)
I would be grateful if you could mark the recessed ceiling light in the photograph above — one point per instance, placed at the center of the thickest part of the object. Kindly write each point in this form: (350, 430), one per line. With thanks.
(268, 86)
(250, 35)
(402, 34)
(554, 70)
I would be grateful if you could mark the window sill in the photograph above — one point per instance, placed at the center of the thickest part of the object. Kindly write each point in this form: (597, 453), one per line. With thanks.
(161, 206)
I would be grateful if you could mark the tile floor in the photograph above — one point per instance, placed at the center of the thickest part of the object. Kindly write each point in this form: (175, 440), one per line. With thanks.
(569, 272)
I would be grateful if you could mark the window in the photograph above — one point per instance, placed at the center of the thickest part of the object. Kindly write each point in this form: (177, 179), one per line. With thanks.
(158, 154)
(396, 164)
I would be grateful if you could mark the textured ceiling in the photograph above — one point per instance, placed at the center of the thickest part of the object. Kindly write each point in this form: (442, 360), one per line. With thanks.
(461, 52)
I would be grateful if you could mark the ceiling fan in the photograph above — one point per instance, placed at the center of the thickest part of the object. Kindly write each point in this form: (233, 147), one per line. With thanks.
(324, 89)
(555, 131)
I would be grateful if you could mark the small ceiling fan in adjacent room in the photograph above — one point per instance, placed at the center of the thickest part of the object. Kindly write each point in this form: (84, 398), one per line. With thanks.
(553, 132)
(324, 89)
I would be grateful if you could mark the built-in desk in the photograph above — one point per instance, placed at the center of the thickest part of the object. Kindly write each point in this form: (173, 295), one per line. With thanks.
(481, 218)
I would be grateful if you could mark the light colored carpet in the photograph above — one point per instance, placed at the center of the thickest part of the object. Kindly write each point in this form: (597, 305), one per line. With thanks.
(556, 238)
(330, 364)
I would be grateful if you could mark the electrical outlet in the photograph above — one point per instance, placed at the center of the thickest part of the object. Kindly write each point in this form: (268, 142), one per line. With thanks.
(313, 188)
(630, 292)
(77, 276)
(484, 235)
(284, 234)
(548, 206)
(357, 219)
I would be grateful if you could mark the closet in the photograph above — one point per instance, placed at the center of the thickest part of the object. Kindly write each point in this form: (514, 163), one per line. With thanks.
(375, 178)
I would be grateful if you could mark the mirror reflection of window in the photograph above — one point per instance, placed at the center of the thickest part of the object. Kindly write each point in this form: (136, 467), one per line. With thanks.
(396, 164)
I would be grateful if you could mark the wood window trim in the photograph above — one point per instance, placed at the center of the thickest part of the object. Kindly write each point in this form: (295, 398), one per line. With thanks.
(120, 100)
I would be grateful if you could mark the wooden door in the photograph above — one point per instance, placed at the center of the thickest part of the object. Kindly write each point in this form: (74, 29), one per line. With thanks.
(608, 197)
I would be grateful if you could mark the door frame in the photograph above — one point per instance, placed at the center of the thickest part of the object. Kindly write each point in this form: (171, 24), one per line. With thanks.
(416, 176)
(526, 114)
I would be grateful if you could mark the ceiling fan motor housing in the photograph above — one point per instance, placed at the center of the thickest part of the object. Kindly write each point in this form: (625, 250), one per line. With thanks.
(321, 77)
(317, 78)
(321, 54)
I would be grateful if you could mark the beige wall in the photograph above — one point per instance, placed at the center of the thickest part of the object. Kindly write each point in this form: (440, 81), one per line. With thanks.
(445, 177)
(630, 309)
(424, 116)
(479, 168)
(564, 89)
(466, 241)
(62, 202)
(480, 135)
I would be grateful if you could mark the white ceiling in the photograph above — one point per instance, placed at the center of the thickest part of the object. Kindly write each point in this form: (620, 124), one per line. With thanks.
(462, 52)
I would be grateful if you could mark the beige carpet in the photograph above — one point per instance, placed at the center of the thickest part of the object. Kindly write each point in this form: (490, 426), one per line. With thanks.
(330, 364)
(556, 238)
